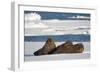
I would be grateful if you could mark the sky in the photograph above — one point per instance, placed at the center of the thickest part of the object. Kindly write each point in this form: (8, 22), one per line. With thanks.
(60, 15)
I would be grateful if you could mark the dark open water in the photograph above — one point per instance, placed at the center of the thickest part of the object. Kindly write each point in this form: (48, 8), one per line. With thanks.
(58, 38)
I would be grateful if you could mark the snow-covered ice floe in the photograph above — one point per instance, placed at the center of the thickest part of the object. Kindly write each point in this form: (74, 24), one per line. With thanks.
(31, 47)
(57, 57)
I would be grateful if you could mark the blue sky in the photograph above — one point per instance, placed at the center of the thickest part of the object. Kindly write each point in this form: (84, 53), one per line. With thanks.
(61, 15)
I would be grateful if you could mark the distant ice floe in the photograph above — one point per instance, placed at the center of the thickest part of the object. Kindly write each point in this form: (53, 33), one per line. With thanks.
(53, 32)
(72, 28)
(80, 17)
(53, 20)
(35, 25)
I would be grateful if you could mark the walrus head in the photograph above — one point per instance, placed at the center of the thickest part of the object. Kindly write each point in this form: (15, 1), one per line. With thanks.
(78, 48)
(48, 47)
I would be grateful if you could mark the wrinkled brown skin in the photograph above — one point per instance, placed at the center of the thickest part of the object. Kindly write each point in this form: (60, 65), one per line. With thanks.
(68, 48)
(48, 47)
(78, 48)
(63, 48)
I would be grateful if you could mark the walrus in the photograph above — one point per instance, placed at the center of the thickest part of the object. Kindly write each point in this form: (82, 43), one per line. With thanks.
(63, 48)
(68, 47)
(48, 47)
(78, 48)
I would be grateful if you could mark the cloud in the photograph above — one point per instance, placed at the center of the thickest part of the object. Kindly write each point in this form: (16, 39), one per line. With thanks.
(32, 17)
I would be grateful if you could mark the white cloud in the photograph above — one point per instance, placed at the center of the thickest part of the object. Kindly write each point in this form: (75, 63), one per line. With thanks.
(32, 17)
(32, 20)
